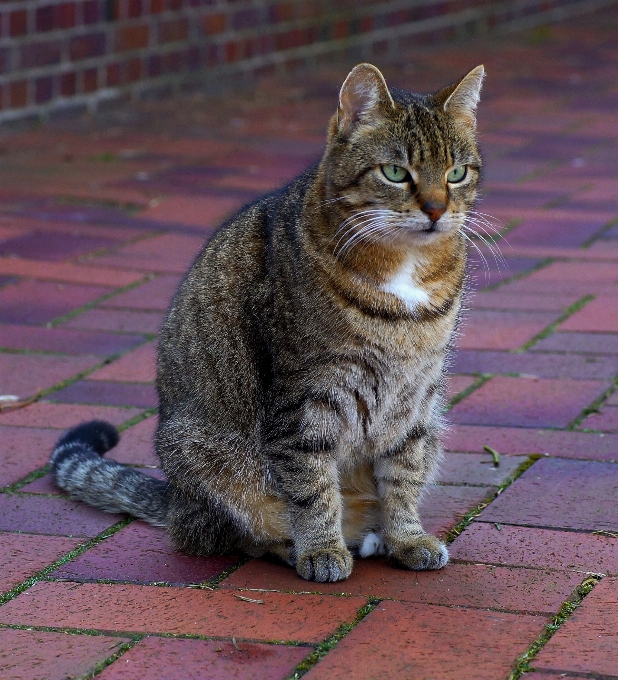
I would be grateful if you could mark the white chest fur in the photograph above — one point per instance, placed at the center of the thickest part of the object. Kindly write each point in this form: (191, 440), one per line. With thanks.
(403, 285)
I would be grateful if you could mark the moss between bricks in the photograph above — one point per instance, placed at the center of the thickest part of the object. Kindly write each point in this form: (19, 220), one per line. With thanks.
(568, 607)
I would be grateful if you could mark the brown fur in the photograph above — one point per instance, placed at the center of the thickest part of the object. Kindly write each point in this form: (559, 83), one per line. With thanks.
(300, 367)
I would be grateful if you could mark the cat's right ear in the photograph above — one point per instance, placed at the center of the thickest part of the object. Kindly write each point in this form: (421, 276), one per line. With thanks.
(363, 94)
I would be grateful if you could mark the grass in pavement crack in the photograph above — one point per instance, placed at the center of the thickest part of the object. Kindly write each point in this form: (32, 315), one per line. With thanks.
(76, 552)
(471, 515)
(322, 649)
(575, 307)
(523, 663)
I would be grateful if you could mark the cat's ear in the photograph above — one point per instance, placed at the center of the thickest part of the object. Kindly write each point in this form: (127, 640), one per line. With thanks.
(464, 97)
(363, 95)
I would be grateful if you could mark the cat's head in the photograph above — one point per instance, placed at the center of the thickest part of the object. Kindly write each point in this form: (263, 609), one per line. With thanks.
(399, 167)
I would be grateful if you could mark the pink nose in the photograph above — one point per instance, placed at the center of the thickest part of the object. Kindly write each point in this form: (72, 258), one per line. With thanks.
(433, 210)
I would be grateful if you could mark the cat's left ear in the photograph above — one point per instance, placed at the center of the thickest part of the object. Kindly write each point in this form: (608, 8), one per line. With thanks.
(363, 96)
(462, 99)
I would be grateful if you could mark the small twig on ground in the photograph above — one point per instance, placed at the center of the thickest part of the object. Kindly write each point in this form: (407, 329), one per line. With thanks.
(248, 599)
(494, 454)
(604, 532)
(9, 402)
(236, 647)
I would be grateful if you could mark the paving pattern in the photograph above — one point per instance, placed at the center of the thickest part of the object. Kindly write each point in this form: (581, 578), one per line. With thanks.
(99, 218)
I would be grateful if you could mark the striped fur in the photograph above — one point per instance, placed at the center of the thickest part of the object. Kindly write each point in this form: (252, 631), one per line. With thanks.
(301, 364)
(77, 467)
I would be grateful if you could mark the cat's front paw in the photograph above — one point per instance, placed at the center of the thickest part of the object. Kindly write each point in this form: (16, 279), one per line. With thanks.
(421, 553)
(328, 565)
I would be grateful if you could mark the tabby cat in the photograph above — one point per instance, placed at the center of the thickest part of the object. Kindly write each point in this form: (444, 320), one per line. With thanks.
(301, 363)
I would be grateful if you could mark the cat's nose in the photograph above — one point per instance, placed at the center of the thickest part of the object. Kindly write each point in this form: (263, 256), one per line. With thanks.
(433, 210)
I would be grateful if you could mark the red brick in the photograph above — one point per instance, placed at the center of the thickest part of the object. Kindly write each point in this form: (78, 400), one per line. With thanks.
(488, 329)
(22, 556)
(62, 416)
(90, 80)
(70, 273)
(63, 341)
(23, 451)
(115, 320)
(18, 23)
(402, 641)
(52, 516)
(159, 658)
(18, 94)
(476, 468)
(600, 315)
(133, 70)
(525, 402)
(136, 445)
(576, 272)
(23, 374)
(536, 548)
(587, 642)
(522, 440)
(139, 365)
(457, 384)
(131, 38)
(29, 654)
(461, 585)
(67, 84)
(43, 90)
(152, 295)
(142, 554)
(307, 618)
(198, 211)
(569, 494)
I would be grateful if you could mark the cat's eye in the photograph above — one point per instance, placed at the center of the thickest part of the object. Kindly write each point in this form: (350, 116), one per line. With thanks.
(457, 174)
(395, 173)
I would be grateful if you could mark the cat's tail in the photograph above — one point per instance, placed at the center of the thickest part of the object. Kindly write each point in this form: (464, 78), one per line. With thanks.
(78, 468)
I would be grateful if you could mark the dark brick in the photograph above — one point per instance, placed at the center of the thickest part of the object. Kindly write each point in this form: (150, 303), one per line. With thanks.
(554, 493)
(541, 365)
(90, 79)
(87, 46)
(53, 246)
(52, 516)
(38, 302)
(580, 343)
(111, 393)
(91, 11)
(142, 554)
(43, 90)
(170, 31)
(65, 341)
(45, 18)
(40, 54)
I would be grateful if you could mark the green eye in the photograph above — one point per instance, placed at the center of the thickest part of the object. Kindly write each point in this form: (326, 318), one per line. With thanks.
(457, 175)
(395, 173)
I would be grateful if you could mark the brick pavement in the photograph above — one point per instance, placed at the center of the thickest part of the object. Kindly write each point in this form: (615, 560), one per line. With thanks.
(100, 216)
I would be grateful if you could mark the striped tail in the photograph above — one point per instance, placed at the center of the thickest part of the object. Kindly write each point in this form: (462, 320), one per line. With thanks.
(78, 468)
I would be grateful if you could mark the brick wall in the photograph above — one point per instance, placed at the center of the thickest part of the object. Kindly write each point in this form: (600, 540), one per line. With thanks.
(59, 54)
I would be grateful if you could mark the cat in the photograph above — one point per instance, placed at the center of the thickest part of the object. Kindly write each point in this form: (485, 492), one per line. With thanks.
(301, 364)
